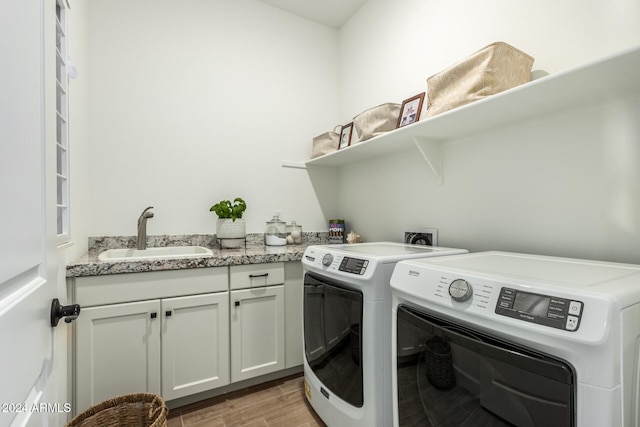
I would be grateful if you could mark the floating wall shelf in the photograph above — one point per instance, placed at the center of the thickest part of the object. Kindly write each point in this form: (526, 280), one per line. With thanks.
(610, 78)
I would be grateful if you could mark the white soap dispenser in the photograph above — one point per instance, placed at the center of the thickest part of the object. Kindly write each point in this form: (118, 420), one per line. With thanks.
(275, 232)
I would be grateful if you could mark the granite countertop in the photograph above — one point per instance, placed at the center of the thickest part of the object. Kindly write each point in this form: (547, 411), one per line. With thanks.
(256, 252)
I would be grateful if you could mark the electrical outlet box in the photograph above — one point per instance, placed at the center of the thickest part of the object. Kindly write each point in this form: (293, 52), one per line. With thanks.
(421, 236)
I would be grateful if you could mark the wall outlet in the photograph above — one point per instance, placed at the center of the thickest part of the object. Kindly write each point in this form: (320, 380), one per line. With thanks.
(421, 236)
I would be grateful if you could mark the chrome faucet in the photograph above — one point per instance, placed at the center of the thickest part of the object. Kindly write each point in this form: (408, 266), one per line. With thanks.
(142, 228)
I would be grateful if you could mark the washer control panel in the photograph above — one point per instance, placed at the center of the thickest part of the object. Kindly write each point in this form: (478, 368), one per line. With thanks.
(560, 313)
(335, 262)
(353, 265)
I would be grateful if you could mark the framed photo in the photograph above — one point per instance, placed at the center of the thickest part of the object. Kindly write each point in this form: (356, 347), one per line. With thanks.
(410, 110)
(345, 135)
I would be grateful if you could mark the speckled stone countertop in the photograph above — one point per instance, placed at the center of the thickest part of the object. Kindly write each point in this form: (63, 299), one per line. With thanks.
(255, 253)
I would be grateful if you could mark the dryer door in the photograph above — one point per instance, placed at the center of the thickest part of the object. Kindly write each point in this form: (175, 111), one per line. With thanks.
(448, 374)
(332, 337)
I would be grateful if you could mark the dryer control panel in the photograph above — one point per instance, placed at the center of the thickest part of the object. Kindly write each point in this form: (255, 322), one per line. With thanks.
(547, 310)
(353, 265)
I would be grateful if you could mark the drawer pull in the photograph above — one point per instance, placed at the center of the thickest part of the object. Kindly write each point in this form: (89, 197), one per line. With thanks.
(237, 303)
(253, 276)
(167, 313)
(154, 315)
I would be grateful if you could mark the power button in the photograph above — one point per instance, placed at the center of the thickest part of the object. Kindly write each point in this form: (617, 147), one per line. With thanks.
(575, 307)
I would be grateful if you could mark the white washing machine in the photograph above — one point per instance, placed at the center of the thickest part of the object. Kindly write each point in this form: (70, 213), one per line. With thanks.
(347, 329)
(498, 338)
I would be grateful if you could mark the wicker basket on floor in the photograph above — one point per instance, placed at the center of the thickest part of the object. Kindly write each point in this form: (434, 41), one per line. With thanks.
(130, 410)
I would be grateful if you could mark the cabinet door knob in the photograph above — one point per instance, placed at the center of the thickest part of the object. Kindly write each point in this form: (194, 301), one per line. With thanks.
(154, 315)
(167, 313)
(237, 304)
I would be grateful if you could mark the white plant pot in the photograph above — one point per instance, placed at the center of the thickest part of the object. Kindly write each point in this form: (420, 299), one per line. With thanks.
(231, 232)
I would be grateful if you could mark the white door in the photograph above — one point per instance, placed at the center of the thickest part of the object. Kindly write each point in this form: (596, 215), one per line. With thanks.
(28, 264)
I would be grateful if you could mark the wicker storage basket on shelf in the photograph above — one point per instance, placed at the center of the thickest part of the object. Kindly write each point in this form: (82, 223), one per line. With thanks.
(325, 143)
(375, 121)
(130, 410)
(490, 70)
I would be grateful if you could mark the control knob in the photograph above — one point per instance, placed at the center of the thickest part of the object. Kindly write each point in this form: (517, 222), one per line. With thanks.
(327, 259)
(460, 290)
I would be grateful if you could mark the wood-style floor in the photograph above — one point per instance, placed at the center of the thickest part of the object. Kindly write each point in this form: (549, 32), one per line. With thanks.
(278, 403)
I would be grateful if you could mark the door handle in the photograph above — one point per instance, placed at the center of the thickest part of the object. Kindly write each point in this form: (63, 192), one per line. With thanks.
(58, 311)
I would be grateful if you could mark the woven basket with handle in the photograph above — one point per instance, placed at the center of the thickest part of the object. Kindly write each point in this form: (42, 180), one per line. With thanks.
(130, 410)
(491, 70)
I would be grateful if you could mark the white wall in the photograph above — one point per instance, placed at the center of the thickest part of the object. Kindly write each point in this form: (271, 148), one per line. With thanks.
(388, 49)
(567, 185)
(192, 102)
(196, 101)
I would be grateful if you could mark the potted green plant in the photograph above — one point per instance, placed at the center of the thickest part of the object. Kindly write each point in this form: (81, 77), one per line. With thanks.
(231, 228)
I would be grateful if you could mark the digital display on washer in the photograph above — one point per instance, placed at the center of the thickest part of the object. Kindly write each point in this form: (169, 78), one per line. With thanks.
(353, 265)
(560, 313)
(536, 305)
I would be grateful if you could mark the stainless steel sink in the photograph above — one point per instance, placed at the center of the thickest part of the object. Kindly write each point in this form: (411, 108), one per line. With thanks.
(168, 252)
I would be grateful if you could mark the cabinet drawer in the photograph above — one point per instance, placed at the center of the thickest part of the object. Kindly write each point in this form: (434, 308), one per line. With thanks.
(117, 288)
(255, 275)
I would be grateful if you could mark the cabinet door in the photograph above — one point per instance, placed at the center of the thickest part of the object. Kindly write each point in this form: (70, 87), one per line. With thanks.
(117, 351)
(257, 332)
(195, 344)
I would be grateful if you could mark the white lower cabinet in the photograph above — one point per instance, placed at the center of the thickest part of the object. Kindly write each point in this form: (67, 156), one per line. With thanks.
(174, 347)
(173, 342)
(181, 332)
(257, 332)
(195, 353)
(293, 293)
(117, 351)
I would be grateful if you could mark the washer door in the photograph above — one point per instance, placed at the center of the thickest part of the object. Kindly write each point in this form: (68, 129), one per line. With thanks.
(332, 337)
(450, 375)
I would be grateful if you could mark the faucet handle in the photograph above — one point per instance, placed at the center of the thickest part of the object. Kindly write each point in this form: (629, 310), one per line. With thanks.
(146, 214)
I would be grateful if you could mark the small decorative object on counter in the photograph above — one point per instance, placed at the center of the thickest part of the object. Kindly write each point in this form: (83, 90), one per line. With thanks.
(325, 143)
(231, 229)
(294, 233)
(336, 231)
(353, 237)
(375, 121)
(490, 70)
(275, 233)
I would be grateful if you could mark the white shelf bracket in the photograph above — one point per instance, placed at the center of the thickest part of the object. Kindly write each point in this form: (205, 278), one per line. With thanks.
(293, 164)
(431, 151)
